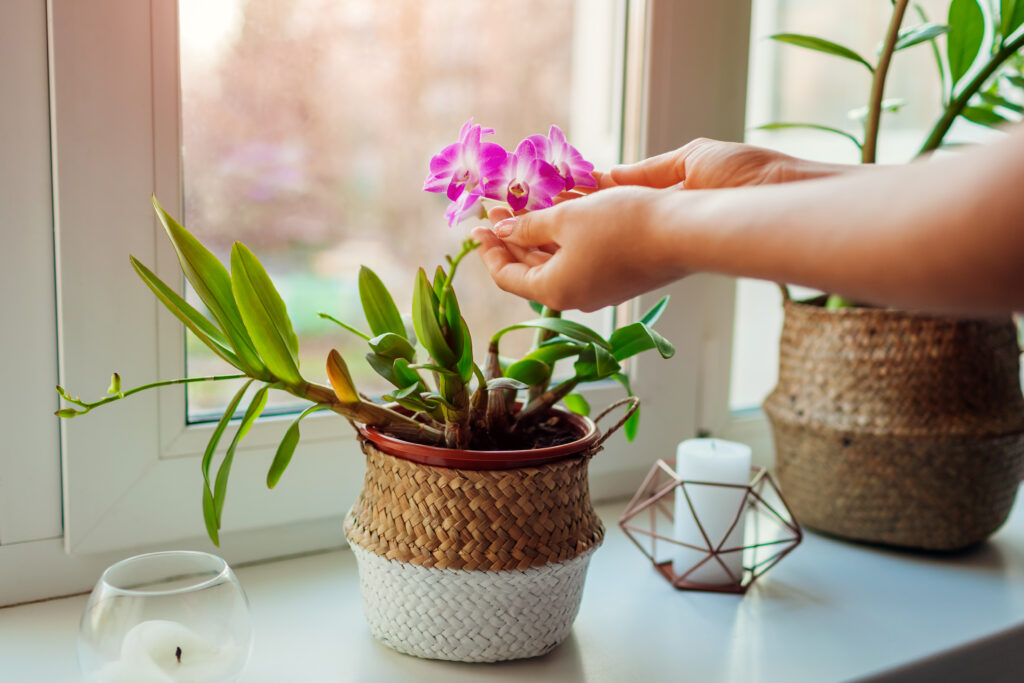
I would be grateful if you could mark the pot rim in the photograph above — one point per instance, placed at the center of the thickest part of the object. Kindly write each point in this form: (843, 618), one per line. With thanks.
(816, 303)
(467, 459)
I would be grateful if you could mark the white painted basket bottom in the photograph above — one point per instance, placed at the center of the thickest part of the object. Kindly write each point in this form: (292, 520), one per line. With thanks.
(470, 616)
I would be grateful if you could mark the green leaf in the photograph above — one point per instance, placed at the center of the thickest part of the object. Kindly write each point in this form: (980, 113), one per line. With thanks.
(506, 383)
(465, 362)
(439, 277)
(836, 302)
(346, 326)
(396, 371)
(265, 315)
(577, 404)
(529, 371)
(936, 54)
(537, 308)
(652, 316)
(811, 126)
(220, 486)
(210, 516)
(212, 283)
(594, 363)
(424, 311)
(633, 423)
(405, 373)
(821, 45)
(286, 448)
(381, 312)
(195, 321)
(891, 104)
(1011, 16)
(966, 32)
(414, 403)
(637, 337)
(999, 101)
(566, 328)
(430, 367)
(915, 35)
(341, 379)
(1016, 80)
(453, 323)
(983, 116)
(549, 353)
(392, 346)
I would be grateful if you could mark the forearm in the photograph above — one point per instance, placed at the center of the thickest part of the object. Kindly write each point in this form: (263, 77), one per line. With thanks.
(944, 235)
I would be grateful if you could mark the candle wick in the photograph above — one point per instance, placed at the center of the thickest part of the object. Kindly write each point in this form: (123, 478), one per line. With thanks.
(177, 653)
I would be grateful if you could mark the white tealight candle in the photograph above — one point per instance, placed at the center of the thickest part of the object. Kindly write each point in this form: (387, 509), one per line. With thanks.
(160, 651)
(721, 462)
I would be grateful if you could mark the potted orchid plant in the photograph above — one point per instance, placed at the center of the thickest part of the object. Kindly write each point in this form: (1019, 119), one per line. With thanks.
(476, 481)
(892, 426)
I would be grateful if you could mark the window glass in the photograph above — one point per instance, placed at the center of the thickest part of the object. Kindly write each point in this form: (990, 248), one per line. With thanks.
(307, 126)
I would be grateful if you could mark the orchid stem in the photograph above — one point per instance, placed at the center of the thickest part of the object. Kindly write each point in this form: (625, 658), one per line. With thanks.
(125, 394)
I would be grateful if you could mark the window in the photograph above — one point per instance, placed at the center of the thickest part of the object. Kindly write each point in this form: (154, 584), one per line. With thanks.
(645, 76)
(306, 127)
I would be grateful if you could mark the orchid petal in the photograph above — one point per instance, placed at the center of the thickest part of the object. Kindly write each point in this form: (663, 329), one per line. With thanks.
(443, 161)
(462, 209)
(455, 189)
(557, 137)
(436, 183)
(517, 203)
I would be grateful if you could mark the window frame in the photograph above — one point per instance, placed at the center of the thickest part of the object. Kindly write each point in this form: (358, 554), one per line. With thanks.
(126, 466)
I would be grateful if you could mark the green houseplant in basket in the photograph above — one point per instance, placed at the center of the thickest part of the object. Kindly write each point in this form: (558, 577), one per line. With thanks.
(892, 426)
(474, 526)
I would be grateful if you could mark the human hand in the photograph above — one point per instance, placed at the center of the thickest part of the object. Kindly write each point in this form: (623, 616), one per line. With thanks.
(587, 253)
(705, 164)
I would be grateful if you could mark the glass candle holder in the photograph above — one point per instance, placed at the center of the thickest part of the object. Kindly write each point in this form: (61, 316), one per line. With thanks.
(169, 616)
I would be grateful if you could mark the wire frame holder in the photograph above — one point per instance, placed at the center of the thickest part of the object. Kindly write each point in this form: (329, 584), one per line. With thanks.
(770, 531)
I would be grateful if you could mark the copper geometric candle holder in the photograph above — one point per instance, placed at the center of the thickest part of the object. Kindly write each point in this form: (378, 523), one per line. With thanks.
(769, 530)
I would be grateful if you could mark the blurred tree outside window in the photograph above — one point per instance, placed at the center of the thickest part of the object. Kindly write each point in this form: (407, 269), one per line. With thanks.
(307, 126)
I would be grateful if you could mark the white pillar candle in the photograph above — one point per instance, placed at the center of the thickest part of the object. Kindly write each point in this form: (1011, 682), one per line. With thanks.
(722, 462)
(160, 651)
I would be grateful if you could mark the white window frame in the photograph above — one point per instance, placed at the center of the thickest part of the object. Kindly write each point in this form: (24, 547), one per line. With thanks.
(130, 471)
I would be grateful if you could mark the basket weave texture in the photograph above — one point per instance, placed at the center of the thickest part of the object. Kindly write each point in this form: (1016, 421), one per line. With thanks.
(898, 428)
(488, 520)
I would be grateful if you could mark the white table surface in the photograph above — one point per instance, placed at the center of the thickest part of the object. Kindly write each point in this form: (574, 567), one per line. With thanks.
(830, 611)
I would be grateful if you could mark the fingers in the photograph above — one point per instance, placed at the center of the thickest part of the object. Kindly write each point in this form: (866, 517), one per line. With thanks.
(506, 270)
(531, 257)
(534, 229)
(660, 171)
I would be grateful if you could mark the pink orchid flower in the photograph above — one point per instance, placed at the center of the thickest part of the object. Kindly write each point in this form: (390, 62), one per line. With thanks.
(466, 205)
(522, 179)
(554, 149)
(457, 167)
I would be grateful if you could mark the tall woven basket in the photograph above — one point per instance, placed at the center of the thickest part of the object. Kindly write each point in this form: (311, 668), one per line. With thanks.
(474, 556)
(898, 428)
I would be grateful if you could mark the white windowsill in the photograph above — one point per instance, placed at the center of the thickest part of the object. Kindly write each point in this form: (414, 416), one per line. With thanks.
(829, 611)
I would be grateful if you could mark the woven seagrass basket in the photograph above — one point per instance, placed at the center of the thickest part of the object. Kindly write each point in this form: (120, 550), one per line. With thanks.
(898, 428)
(465, 562)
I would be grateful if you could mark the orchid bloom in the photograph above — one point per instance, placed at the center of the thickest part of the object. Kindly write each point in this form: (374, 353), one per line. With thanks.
(570, 164)
(523, 179)
(457, 167)
(462, 208)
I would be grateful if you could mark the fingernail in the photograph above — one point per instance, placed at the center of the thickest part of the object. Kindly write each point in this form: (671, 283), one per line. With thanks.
(504, 228)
